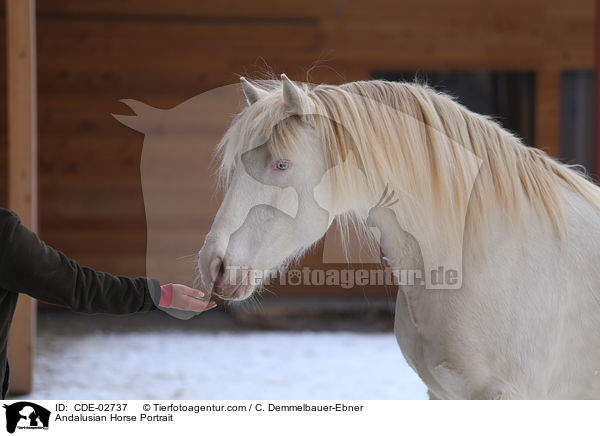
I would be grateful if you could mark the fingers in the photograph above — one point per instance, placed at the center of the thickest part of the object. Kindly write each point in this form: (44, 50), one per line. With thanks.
(186, 290)
(190, 299)
(194, 305)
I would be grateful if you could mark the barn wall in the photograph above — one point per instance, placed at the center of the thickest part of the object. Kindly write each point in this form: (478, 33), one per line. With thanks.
(93, 53)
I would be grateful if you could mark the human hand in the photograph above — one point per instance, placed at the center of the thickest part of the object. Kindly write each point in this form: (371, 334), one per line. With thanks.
(176, 296)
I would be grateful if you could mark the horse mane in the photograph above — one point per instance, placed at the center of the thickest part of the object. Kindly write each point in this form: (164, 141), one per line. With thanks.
(423, 145)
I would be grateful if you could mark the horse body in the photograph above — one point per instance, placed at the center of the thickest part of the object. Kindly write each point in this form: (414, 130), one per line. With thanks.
(521, 230)
(525, 324)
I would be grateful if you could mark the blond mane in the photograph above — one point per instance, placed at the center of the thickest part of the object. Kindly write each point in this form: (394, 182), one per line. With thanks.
(422, 144)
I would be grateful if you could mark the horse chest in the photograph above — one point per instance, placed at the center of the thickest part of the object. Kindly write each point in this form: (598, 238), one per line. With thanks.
(424, 350)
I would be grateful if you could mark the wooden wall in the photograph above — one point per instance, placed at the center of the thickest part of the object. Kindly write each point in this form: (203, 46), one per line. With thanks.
(93, 53)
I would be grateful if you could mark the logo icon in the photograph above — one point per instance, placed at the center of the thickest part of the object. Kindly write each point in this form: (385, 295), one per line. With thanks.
(26, 415)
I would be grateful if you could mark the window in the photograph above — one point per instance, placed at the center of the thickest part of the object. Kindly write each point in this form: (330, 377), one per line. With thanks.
(507, 96)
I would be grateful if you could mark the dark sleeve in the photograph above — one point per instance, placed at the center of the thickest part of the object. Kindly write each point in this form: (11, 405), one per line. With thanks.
(28, 265)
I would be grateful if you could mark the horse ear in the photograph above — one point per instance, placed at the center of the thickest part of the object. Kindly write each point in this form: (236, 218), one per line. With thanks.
(252, 93)
(291, 96)
(144, 114)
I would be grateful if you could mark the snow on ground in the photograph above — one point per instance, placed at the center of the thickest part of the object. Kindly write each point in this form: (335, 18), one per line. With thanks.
(223, 365)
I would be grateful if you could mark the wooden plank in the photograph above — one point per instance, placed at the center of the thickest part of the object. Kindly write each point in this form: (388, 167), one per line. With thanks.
(161, 44)
(189, 8)
(393, 44)
(22, 170)
(596, 169)
(547, 111)
(3, 115)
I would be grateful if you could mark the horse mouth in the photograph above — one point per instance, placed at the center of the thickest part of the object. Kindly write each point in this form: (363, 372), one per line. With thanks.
(237, 292)
(232, 284)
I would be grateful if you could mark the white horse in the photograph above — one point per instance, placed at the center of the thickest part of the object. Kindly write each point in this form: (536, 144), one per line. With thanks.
(520, 231)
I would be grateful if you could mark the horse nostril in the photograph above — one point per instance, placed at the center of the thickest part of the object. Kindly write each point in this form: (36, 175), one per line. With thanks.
(217, 269)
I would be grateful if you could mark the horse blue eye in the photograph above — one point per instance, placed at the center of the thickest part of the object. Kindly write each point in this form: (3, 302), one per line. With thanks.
(282, 165)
